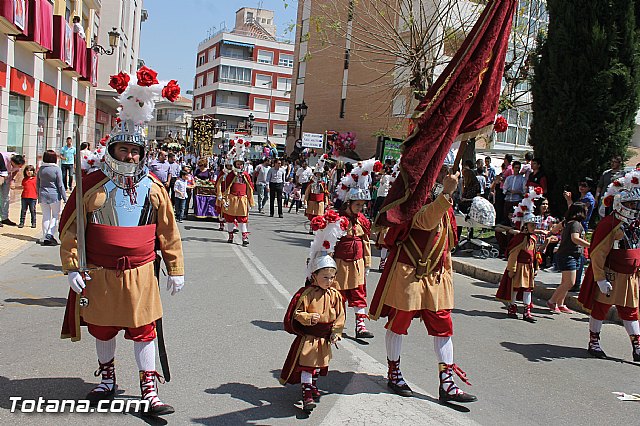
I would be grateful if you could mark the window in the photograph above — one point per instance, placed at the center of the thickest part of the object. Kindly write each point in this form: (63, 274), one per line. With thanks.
(259, 129)
(15, 134)
(302, 70)
(235, 75)
(43, 124)
(62, 123)
(282, 107)
(199, 81)
(249, 17)
(261, 104)
(210, 76)
(284, 84)
(212, 54)
(198, 103)
(67, 10)
(279, 130)
(285, 60)
(201, 59)
(263, 80)
(399, 108)
(265, 57)
(208, 101)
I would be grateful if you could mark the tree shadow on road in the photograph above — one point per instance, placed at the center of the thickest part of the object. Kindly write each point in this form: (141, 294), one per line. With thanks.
(21, 237)
(45, 266)
(269, 325)
(49, 302)
(204, 240)
(484, 284)
(290, 231)
(201, 228)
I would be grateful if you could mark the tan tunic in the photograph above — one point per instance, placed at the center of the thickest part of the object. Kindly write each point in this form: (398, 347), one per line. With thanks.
(524, 273)
(625, 286)
(314, 208)
(239, 204)
(350, 275)
(433, 291)
(316, 351)
(128, 298)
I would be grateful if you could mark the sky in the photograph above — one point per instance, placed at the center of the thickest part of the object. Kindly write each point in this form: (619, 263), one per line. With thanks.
(170, 36)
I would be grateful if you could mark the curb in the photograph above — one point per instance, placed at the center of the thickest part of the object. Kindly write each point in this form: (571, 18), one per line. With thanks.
(540, 290)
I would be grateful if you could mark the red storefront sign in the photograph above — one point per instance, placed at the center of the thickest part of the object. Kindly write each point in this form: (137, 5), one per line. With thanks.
(3, 74)
(102, 117)
(81, 108)
(21, 83)
(65, 101)
(48, 94)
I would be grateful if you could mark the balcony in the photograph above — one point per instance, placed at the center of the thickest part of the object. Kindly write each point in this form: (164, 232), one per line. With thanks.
(79, 66)
(232, 106)
(236, 56)
(39, 30)
(91, 68)
(13, 19)
(234, 81)
(62, 52)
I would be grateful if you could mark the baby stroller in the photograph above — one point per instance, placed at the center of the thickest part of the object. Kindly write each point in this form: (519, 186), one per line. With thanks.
(482, 215)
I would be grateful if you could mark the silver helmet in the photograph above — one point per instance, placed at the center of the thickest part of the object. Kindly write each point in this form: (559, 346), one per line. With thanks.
(125, 175)
(631, 211)
(320, 262)
(358, 194)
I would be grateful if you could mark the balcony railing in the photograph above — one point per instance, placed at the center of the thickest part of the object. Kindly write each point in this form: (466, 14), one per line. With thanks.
(236, 56)
(234, 106)
(234, 81)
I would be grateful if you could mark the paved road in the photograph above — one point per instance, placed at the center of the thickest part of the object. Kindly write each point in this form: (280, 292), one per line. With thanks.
(226, 347)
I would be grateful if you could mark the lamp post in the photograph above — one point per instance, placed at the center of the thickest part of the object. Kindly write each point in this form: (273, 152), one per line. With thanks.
(114, 38)
(301, 113)
(251, 120)
(270, 84)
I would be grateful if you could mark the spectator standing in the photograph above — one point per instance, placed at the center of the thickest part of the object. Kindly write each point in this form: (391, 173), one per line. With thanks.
(303, 176)
(10, 165)
(29, 196)
(490, 174)
(571, 248)
(586, 198)
(261, 172)
(191, 184)
(77, 27)
(470, 187)
(508, 168)
(537, 178)
(51, 191)
(67, 160)
(174, 174)
(383, 190)
(180, 191)
(160, 168)
(607, 177)
(276, 177)
(513, 187)
(525, 169)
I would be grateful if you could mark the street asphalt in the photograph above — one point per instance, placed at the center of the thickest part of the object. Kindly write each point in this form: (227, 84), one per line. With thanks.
(226, 346)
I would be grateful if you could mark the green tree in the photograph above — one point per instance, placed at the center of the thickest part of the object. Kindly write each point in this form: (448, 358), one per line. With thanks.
(585, 89)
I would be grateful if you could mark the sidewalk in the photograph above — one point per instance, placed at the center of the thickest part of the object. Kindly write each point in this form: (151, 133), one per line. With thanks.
(14, 240)
(491, 270)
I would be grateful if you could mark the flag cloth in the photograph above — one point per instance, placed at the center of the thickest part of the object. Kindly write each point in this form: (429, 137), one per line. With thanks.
(461, 104)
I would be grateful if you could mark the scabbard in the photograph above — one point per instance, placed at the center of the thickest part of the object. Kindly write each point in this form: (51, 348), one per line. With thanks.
(162, 350)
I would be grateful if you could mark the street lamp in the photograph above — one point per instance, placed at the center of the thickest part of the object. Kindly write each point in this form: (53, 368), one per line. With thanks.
(270, 84)
(251, 120)
(301, 113)
(114, 38)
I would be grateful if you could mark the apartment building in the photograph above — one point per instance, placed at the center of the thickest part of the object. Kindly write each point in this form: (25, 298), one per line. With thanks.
(47, 73)
(171, 119)
(244, 74)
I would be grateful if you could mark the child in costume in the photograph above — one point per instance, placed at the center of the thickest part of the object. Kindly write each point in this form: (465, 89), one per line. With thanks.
(316, 196)
(315, 315)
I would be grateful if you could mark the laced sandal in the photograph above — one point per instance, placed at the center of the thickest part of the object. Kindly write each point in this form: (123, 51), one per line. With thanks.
(526, 316)
(395, 380)
(635, 346)
(594, 346)
(149, 392)
(230, 240)
(448, 390)
(361, 328)
(512, 311)
(308, 404)
(107, 387)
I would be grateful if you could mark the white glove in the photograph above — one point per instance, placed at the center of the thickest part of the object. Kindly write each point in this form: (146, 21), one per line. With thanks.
(366, 271)
(175, 284)
(605, 286)
(76, 282)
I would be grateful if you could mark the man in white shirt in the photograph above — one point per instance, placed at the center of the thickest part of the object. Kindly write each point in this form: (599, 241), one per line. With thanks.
(262, 183)
(303, 175)
(276, 177)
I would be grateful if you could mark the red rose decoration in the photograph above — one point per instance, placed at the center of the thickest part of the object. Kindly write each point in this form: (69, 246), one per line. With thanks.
(538, 190)
(526, 195)
(240, 141)
(91, 162)
(146, 77)
(617, 183)
(355, 177)
(634, 180)
(344, 223)
(325, 156)
(318, 223)
(608, 200)
(377, 167)
(331, 216)
(365, 173)
(501, 124)
(119, 82)
(247, 144)
(85, 157)
(344, 187)
(524, 208)
(519, 214)
(171, 91)
(326, 245)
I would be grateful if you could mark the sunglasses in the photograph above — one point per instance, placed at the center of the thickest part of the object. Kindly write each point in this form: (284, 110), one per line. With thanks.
(583, 184)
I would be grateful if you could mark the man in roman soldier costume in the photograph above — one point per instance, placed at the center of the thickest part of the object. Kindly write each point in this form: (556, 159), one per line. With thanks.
(353, 251)
(316, 196)
(417, 282)
(128, 215)
(238, 195)
(221, 188)
(612, 276)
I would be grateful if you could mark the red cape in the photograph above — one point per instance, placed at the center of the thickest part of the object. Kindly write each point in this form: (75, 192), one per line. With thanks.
(589, 286)
(504, 290)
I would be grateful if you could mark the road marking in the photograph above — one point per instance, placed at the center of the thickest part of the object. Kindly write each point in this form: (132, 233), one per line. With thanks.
(257, 278)
(360, 406)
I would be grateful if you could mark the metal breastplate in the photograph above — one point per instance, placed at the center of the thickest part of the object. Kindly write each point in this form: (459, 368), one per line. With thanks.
(316, 188)
(119, 210)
